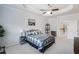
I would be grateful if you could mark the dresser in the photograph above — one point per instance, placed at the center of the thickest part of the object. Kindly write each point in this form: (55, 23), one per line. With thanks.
(76, 45)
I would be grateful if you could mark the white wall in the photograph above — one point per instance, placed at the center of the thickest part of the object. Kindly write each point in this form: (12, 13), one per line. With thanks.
(15, 20)
(78, 28)
(72, 18)
(1, 39)
(53, 23)
(72, 21)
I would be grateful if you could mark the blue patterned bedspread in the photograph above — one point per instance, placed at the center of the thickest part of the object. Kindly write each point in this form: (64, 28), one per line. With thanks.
(40, 40)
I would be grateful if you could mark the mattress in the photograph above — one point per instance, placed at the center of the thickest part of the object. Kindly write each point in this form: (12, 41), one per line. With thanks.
(40, 40)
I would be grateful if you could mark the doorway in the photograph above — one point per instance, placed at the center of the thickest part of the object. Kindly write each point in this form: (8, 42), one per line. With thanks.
(67, 29)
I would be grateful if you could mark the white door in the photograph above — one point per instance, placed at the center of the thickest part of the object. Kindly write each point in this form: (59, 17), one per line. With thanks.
(70, 29)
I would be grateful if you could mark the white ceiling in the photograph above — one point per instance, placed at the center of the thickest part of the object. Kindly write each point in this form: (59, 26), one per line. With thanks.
(36, 7)
(45, 6)
(75, 9)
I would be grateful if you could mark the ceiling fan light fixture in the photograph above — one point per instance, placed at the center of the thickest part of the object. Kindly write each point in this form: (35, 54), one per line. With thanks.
(44, 12)
(48, 12)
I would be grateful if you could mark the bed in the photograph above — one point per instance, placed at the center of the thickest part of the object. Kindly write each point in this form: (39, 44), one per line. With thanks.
(39, 40)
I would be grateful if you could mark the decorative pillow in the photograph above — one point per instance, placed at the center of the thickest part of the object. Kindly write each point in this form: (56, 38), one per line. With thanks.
(33, 32)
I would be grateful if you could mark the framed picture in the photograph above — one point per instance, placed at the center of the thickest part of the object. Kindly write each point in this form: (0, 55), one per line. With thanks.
(31, 22)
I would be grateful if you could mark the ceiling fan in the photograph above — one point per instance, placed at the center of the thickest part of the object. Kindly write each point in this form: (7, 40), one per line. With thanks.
(50, 9)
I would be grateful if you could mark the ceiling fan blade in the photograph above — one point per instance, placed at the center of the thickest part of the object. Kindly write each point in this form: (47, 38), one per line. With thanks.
(42, 10)
(55, 9)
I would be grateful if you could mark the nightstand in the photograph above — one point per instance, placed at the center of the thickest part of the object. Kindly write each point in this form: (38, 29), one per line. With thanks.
(2, 50)
(53, 33)
(22, 39)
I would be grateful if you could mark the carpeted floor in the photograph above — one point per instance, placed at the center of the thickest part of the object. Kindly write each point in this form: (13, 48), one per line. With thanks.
(61, 46)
